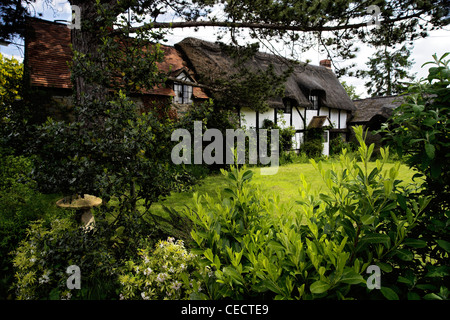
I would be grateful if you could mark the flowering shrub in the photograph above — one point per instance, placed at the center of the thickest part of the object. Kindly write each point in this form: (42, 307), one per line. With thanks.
(42, 259)
(164, 273)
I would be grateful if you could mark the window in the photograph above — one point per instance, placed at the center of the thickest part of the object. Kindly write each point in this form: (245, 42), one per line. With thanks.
(287, 106)
(314, 101)
(325, 137)
(183, 93)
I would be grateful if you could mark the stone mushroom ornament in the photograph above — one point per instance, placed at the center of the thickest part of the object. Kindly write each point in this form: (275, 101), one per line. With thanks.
(82, 205)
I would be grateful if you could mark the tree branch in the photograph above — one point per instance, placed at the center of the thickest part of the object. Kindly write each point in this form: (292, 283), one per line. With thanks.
(258, 25)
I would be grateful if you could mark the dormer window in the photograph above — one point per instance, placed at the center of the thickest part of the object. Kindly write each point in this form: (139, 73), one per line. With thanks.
(314, 99)
(287, 106)
(183, 92)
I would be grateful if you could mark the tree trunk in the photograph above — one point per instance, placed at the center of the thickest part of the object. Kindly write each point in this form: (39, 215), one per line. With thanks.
(86, 41)
(388, 60)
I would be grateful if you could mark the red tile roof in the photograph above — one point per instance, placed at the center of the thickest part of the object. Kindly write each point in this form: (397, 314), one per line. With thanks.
(48, 53)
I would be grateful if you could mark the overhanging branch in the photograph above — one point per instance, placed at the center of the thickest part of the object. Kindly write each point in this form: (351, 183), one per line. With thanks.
(257, 25)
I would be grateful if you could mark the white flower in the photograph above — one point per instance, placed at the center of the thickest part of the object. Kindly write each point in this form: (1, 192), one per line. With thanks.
(171, 270)
(182, 266)
(146, 259)
(121, 297)
(67, 296)
(148, 271)
(144, 296)
(161, 277)
(171, 239)
(44, 279)
(176, 285)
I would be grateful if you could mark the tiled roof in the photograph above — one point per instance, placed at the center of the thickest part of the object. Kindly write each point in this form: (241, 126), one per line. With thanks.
(48, 53)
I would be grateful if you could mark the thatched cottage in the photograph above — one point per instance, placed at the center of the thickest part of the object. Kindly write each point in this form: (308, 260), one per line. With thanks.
(310, 91)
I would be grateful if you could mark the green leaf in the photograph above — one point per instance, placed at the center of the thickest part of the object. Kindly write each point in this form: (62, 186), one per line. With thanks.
(429, 122)
(367, 219)
(247, 175)
(376, 238)
(389, 294)
(384, 266)
(401, 201)
(267, 285)
(233, 274)
(444, 245)
(198, 296)
(426, 286)
(413, 296)
(319, 287)
(274, 245)
(351, 277)
(405, 280)
(209, 255)
(430, 150)
(229, 192)
(432, 296)
(404, 254)
(418, 108)
(415, 243)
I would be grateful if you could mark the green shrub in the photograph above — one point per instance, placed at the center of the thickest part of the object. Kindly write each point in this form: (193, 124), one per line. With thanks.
(260, 248)
(163, 273)
(41, 262)
(419, 132)
(337, 145)
(312, 148)
(285, 134)
(20, 204)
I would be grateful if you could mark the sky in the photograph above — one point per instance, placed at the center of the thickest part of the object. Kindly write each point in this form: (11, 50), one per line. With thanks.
(437, 42)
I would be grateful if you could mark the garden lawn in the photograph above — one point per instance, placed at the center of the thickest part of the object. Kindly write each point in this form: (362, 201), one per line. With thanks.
(284, 184)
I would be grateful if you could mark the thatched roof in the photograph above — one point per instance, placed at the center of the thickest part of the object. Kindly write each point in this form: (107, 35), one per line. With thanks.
(367, 109)
(207, 59)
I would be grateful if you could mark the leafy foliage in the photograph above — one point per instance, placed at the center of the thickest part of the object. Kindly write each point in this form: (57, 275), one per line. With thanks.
(20, 204)
(419, 128)
(11, 72)
(260, 249)
(351, 90)
(286, 134)
(42, 259)
(419, 132)
(387, 69)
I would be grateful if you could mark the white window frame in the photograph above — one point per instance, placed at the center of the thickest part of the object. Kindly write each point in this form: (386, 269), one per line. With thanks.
(183, 92)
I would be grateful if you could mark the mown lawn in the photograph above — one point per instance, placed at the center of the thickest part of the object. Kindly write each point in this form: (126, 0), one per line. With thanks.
(284, 184)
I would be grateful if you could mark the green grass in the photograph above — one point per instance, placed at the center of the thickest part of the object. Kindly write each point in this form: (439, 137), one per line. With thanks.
(284, 184)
